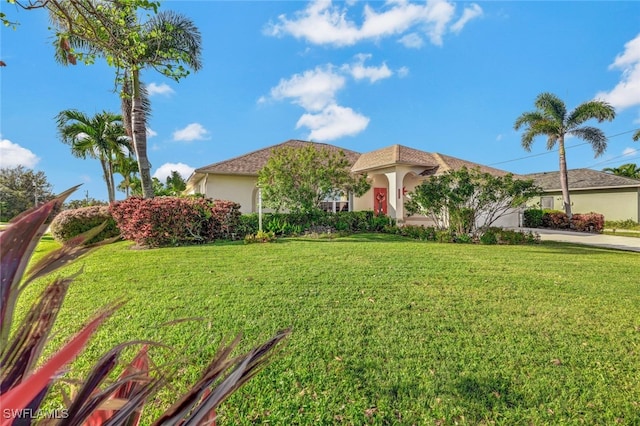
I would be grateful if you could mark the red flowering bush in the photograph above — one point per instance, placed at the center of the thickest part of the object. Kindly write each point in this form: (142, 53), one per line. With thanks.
(164, 221)
(555, 219)
(587, 222)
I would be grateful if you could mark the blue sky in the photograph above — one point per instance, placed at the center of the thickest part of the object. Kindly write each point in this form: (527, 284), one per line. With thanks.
(448, 77)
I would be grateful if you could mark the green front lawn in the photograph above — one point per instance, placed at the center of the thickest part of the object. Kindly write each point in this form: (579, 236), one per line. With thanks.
(386, 330)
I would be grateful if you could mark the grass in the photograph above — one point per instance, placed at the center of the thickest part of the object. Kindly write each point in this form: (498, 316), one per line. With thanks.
(622, 233)
(386, 330)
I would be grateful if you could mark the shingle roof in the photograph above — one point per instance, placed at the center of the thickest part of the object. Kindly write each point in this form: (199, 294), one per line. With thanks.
(452, 163)
(432, 162)
(582, 179)
(251, 163)
(394, 154)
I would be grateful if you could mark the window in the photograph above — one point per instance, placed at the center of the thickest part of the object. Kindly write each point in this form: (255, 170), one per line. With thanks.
(546, 202)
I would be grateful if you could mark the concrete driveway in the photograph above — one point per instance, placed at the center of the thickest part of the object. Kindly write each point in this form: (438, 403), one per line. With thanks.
(598, 240)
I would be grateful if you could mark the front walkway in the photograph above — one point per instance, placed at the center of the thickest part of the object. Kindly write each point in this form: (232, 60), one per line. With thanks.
(598, 240)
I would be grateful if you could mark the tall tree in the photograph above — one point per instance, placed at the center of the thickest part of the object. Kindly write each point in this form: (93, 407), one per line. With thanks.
(22, 189)
(101, 137)
(299, 179)
(552, 120)
(127, 167)
(111, 29)
(628, 170)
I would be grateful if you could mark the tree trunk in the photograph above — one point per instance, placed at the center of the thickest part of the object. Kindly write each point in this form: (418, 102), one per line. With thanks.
(139, 128)
(564, 178)
(107, 179)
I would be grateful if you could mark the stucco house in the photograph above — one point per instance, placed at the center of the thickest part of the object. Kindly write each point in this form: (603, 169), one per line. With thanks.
(616, 197)
(394, 171)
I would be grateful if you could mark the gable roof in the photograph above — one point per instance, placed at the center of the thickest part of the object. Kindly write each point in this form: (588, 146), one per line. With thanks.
(432, 162)
(582, 179)
(391, 155)
(251, 163)
(452, 163)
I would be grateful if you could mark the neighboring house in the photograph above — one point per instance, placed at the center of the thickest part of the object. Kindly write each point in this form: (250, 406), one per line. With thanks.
(394, 171)
(616, 197)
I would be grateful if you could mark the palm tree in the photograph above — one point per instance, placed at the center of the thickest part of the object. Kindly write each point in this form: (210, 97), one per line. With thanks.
(165, 42)
(102, 137)
(552, 120)
(636, 135)
(628, 170)
(127, 167)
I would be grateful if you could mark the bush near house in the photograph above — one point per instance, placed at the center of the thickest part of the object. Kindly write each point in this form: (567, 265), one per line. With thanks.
(555, 219)
(587, 222)
(164, 221)
(533, 218)
(71, 223)
(287, 224)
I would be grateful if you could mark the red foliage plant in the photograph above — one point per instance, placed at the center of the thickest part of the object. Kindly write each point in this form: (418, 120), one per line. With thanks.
(26, 378)
(163, 221)
(587, 222)
(555, 219)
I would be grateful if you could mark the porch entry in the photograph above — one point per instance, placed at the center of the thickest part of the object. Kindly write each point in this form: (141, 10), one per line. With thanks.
(380, 201)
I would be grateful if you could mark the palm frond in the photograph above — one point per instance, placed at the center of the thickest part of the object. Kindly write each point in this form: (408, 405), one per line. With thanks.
(551, 106)
(596, 138)
(169, 31)
(598, 110)
(636, 135)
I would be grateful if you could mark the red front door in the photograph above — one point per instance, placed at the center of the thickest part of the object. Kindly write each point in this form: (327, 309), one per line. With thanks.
(380, 201)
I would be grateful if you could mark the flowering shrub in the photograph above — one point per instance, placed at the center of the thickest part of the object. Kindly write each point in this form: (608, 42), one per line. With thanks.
(163, 221)
(71, 223)
(587, 222)
(555, 219)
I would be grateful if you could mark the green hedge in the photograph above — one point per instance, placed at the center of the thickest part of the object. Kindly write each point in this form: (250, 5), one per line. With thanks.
(70, 223)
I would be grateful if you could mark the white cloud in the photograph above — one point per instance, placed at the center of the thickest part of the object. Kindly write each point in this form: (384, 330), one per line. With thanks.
(403, 72)
(316, 92)
(333, 122)
(628, 152)
(159, 89)
(412, 41)
(165, 170)
(627, 91)
(313, 90)
(359, 71)
(151, 133)
(193, 132)
(499, 137)
(324, 23)
(469, 13)
(13, 155)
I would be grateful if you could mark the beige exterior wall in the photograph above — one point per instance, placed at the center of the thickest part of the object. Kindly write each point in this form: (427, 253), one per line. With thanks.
(241, 189)
(614, 204)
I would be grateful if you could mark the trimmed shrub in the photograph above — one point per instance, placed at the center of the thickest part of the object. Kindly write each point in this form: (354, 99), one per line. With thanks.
(70, 223)
(555, 219)
(260, 237)
(164, 221)
(622, 224)
(533, 218)
(489, 238)
(587, 222)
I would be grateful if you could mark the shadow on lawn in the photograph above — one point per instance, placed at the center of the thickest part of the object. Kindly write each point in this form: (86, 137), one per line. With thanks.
(353, 238)
(572, 248)
(487, 394)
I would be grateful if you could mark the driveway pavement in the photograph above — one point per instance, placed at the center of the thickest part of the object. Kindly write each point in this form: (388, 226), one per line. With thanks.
(598, 240)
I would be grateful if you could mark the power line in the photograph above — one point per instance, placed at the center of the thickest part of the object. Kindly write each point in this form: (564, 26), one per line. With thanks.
(555, 150)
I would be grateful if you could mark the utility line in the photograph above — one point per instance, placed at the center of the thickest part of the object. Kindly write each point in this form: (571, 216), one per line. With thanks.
(555, 150)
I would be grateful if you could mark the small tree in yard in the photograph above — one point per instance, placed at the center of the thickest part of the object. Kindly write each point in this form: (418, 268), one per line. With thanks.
(21, 189)
(299, 179)
(468, 200)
